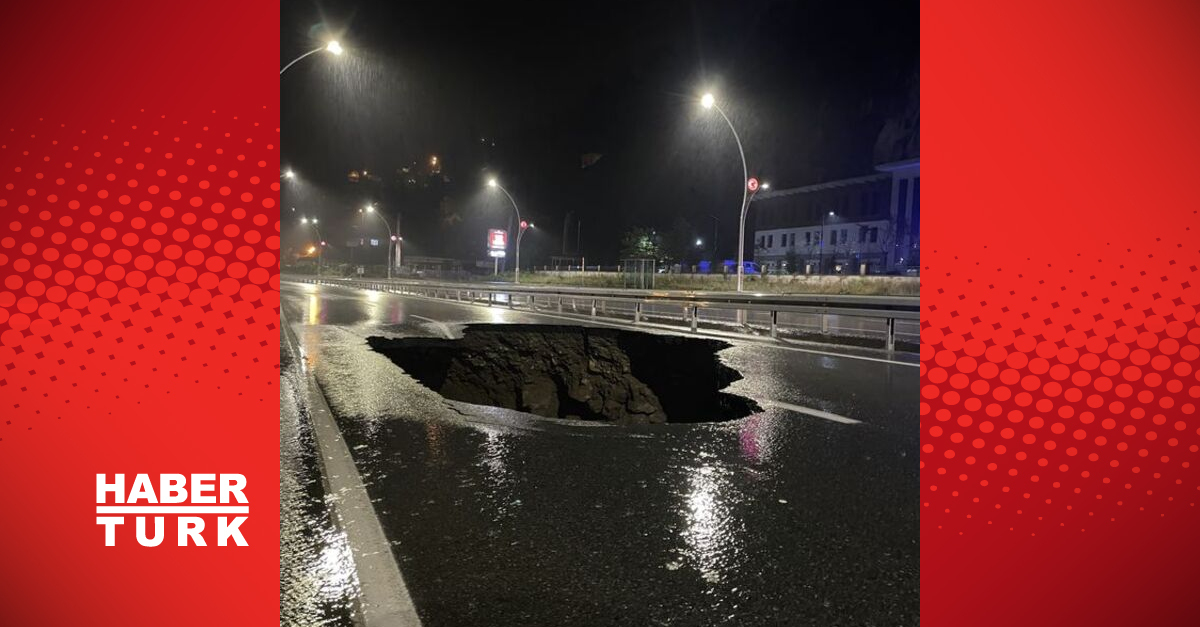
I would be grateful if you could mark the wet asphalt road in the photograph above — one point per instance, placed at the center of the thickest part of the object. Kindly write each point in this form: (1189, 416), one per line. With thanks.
(501, 518)
(317, 582)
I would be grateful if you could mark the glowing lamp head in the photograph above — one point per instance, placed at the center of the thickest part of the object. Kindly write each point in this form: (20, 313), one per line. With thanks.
(312, 249)
(492, 183)
(370, 208)
(334, 47)
(765, 186)
(289, 174)
(707, 101)
(303, 220)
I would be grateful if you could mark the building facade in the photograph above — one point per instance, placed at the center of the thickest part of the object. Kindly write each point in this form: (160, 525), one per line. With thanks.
(863, 224)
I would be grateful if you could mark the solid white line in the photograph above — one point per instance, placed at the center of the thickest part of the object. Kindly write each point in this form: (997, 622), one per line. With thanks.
(814, 412)
(441, 326)
(383, 595)
(172, 509)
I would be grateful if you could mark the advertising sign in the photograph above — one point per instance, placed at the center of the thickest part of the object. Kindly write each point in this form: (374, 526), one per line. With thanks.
(497, 239)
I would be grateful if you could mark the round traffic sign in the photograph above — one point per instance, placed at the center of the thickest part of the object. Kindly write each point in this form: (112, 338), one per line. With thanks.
(752, 184)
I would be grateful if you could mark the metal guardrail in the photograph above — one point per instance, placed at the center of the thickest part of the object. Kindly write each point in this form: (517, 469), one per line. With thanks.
(643, 304)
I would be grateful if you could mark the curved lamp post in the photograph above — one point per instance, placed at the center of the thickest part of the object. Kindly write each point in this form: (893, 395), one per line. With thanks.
(708, 102)
(391, 236)
(521, 226)
(332, 46)
(320, 242)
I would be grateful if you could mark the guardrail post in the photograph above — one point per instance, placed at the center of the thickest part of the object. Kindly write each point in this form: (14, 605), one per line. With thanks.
(510, 300)
(695, 317)
(637, 312)
(891, 335)
(774, 324)
(532, 301)
(824, 324)
(560, 304)
(593, 307)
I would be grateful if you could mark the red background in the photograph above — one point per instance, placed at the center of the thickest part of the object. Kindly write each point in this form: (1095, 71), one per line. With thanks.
(138, 311)
(1059, 340)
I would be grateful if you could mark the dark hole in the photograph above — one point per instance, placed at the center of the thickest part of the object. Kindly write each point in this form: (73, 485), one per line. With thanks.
(583, 373)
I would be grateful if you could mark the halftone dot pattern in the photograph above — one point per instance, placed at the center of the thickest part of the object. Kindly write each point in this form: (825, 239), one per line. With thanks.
(127, 272)
(1057, 399)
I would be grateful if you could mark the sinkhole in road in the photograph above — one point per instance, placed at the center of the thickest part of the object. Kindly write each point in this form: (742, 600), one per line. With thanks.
(582, 373)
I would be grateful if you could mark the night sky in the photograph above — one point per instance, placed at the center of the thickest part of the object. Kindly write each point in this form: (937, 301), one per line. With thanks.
(522, 91)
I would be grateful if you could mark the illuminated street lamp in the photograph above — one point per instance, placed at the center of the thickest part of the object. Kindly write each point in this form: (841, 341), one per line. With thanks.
(321, 245)
(391, 236)
(521, 231)
(332, 46)
(289, 174)
(709, 102)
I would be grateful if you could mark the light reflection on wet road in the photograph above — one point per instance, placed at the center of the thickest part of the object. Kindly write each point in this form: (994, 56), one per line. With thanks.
(500, 518)
(317, 582)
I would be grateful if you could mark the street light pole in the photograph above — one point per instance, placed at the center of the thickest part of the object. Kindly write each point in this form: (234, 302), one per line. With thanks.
(398, 255)
(520, 231)
(708, 102)
(332, 46)
(320, 242)
(391, 238)
(821, 255)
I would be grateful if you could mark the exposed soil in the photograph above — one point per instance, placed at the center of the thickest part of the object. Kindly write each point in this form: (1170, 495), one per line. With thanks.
(581, 373)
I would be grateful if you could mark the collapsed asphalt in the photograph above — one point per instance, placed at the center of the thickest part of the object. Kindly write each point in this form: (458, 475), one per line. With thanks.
(576, 372)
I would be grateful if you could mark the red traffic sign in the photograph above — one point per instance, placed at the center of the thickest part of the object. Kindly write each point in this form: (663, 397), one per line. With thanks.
(752, 184)
(524, 225)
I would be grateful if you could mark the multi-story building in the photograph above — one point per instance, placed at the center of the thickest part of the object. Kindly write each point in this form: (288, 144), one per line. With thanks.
(838, 226)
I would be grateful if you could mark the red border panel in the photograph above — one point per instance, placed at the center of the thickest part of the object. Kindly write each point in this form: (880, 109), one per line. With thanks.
(1060, 334)
(138, 301)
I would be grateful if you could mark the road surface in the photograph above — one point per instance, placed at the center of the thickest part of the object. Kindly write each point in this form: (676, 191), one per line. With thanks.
(804, 514)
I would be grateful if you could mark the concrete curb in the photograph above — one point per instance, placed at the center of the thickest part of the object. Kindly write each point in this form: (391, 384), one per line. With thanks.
(384, 600)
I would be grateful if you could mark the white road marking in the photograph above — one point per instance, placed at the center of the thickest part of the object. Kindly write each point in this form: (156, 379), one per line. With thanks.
(814, 412)
(441, 326)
